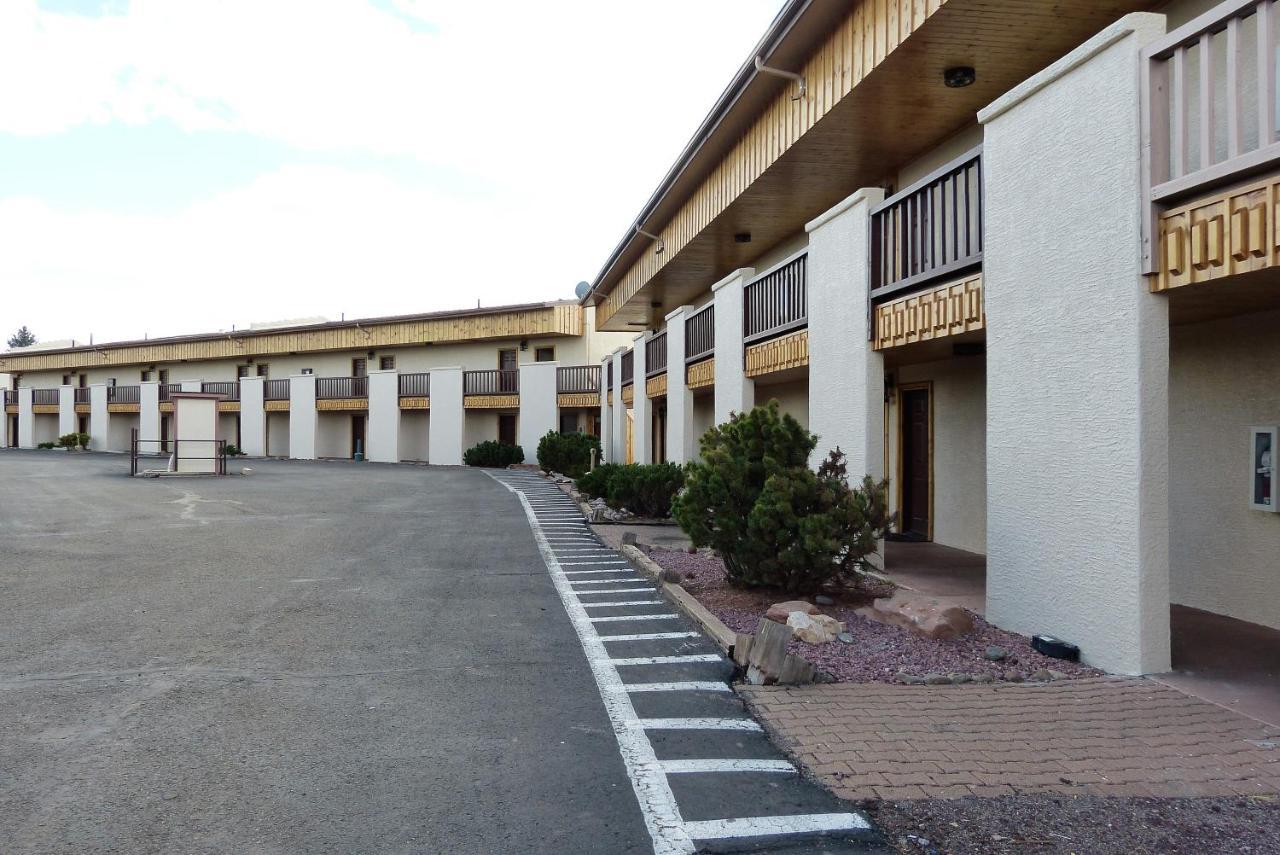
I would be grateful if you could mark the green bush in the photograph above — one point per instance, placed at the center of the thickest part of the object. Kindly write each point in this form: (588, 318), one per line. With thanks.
(644, 489)
(233, 450)
(70, 440)
(84, 439)
(772, 520)
(45, 445)
(567, 453)
(491, 453)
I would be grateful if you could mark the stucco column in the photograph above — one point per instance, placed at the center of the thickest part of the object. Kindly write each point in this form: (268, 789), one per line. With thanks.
(618, 429)
(99, 418)
(642, 423)
(303, 419)
(149, 416)
(66, 410)
(538, 409)
(734, 391)
(681, 442)
(253, 416)
(444, 437)
(26, 418)
(846, 377)
(1077, 361)
(382, 439)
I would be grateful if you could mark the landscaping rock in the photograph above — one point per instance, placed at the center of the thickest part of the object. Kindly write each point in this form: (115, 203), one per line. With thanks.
(929, 617)
(845, 638)
(937, 680)
(824, 600)
(672, 576)
(628, 538)
(814, 628)
(910, 680)
(983, 678)
(961, 679)
(995, 654)
(779, 612)
(1013, 677)
(1058, 675)
(1042, 676)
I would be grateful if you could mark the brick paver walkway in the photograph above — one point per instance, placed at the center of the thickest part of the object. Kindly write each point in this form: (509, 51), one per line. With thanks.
(1110, 736)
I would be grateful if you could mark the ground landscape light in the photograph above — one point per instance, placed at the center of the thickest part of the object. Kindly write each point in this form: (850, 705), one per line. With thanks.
(959, 77)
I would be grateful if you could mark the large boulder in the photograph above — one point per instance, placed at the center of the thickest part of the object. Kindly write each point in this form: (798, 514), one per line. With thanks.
(930, 617)
(815, 628)
(779, 612)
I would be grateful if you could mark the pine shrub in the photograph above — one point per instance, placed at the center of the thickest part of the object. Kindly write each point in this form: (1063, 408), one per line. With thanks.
(567, 453)
(644, 489)
(492, 453)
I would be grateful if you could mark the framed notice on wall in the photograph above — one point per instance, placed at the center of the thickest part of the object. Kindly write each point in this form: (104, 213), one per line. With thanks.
(1262, 485)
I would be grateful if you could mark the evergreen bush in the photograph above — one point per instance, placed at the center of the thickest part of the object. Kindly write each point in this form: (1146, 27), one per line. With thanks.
(567, 453)
(492, 453)
(69, 441)
(644, 489)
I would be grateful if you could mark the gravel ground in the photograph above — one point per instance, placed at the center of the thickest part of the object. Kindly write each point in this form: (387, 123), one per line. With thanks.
(1081, 825)
(878, 651)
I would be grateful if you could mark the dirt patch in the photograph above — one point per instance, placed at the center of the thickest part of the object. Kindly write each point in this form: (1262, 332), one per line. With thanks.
(878, 652)
(1066, 825)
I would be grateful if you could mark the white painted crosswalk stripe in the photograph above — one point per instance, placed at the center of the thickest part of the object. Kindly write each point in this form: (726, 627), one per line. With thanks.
(651, 636)
(768, 826)
(620, 603)
(596, 572)
(688, 767)
(615, 618)
(600, 582)
(676, 685)
(617, 591)
(697, 724)
(668, 660)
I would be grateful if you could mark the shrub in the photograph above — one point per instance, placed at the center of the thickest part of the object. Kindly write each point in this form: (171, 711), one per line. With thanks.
(44, 445)
(69, 440)
(567, 453)
(233, 450)
(644, 489)
(491, 453)
(772, 520)
(84, 439)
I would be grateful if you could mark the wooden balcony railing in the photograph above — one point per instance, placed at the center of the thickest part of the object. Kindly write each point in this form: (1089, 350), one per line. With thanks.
(578, 380)
(655, 355)
(44, 396)
(1209, 116)
(628, 367)
(329, 388)
(931, 230)
(167, 390)
(11, 397)
(415, 385)
(492, 382)
(609, 370)
(275, 390)
(82, 395)
(230, 390)
(124, 394)
(776, 301)
(700, 334)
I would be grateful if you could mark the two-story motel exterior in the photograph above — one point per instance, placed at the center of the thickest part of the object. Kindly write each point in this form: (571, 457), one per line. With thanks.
(404, 388)
(1043, 302)
(1019, 257)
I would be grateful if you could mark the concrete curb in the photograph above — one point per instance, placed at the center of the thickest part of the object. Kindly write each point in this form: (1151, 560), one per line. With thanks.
(724, 637)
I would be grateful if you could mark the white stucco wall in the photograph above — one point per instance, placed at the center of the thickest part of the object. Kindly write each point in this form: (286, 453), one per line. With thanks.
(704, 417)
(302, 417)
(538, 410)
(333, 435)
(959, 402)
(415, 426)
(793, 399)
(642, 407)
(734, 391)
(1077, 431)
(950, 149)
(66, 410)
(445, 440)
(229, 427)
(253, 420)
(846, 374)
(1224, 557)
(480, 426)
(196, 422)
(277, 424)
(120, 431)
(149, 416)
(382, 431)
(26, 421)
(617, 413)
(682, 438)
(99, 418)
(44, 428)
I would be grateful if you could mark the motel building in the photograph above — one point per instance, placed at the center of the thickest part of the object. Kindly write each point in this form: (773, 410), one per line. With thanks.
(405, 388)
(1020, 258)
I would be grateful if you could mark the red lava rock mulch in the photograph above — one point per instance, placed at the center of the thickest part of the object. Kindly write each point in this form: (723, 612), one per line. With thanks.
(878, 651)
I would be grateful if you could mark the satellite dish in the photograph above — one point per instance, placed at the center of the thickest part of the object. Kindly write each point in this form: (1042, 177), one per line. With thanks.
(582, 290)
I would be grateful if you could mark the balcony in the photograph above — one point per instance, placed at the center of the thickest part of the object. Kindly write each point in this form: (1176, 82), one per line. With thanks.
(167, 390)
(340, 388)
(930, 231)
(578, 380)
(44, 397)
(230, 391)
(655, 355)
(82, 395)
(275, 390)
(415, 385)
(493, 382)
(775, 302)
(628, 367)
(11, 397)
(700, 335)
(124, 394)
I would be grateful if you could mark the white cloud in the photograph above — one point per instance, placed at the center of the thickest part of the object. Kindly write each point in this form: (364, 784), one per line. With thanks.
(566, 114)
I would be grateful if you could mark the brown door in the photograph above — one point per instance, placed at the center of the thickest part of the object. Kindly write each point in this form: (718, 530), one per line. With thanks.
(507, 428)
(84, 380)
(508, 362)
(359, 367)
(659, 435)
(569, 422)
(915, 463)
(357, 435)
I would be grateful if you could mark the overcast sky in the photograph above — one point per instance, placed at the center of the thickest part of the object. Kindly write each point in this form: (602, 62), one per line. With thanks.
(174, 166)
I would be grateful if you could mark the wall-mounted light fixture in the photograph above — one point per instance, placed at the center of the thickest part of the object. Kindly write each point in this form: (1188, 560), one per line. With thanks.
(959, 76)
(742, 237)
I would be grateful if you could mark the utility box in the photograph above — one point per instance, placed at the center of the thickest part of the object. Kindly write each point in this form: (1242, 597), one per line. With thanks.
(197, 448)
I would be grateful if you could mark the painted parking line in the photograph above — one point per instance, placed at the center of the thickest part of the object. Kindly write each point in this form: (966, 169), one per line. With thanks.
(599, 582)
(649, 636)
(691, 767)
(668, 660)
(696, 724)
(595, 572)
(616, 618)
(648, 590)
(769, 826)
(623, 603)
(677, 686)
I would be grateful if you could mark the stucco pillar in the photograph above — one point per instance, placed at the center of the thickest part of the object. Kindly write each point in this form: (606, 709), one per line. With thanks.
(1077, 361)
(734, 391)
(846, 377)
(99, 418)
(642, 423)
(681, 442)
(253, 416)
(382, 439)
(606, 413)
(444, 438)
(303, 419)
(539, 412)
(191, 386)
(26, 418)
(66, 410)
(149, 417)
(618, 432)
